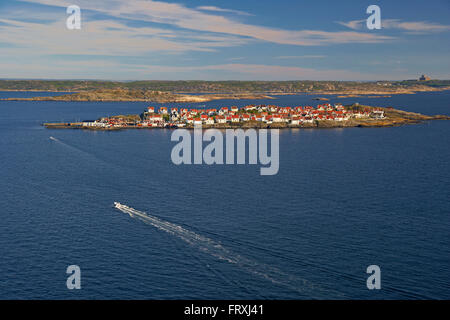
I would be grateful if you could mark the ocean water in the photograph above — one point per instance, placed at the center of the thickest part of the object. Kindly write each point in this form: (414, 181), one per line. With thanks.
(343, 199)
(29, 94)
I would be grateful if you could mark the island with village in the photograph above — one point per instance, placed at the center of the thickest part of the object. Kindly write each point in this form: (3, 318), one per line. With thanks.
(255, 116)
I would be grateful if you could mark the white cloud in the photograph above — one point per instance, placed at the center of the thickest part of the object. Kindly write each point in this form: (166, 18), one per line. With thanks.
(355, 24)
(257, 72)
(414, 27)
(105, 37)
(216, 9)
(177, 29)
(120, 71)
(301, 57)
(194, 19)
(274, 72)
(410, 27)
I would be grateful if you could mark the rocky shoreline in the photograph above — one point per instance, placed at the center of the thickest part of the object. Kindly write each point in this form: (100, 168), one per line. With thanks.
(141, 96)
(131, 95)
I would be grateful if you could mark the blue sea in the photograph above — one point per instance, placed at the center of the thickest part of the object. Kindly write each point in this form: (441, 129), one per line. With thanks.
(344, 199)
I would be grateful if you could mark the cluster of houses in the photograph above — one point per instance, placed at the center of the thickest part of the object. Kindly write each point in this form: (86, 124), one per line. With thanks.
(295, 116)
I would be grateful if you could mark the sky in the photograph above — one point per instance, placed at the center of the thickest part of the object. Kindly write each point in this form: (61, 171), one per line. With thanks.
(224, 40)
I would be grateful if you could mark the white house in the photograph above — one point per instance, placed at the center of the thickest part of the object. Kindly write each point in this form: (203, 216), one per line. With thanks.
(221, 119)
(377, 114)
(277, 118)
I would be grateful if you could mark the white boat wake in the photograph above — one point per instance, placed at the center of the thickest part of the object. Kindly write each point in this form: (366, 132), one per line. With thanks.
(215, 249)
(87, 155)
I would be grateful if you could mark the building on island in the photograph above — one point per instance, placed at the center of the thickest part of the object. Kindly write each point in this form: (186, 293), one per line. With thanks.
(377, 114)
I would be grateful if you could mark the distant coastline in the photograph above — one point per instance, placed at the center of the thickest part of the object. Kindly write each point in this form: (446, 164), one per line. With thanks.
(141, 96)
(204, 91)
(167, 97)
